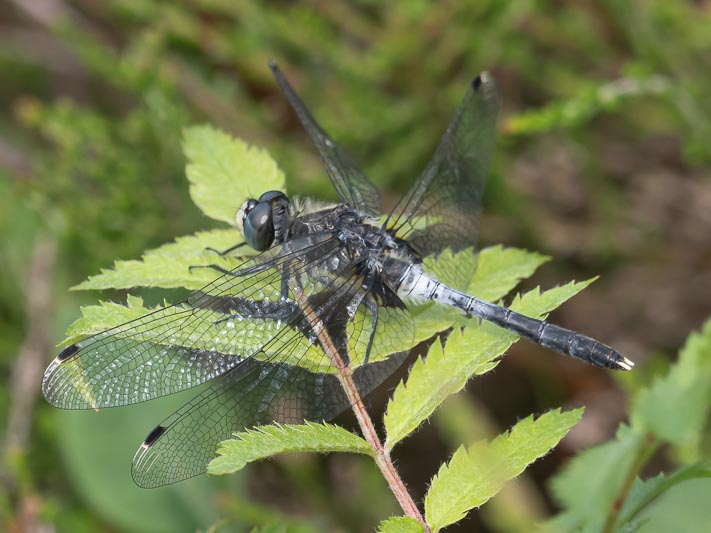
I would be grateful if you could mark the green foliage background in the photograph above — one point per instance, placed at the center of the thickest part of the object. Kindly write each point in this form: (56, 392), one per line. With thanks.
(602, 162)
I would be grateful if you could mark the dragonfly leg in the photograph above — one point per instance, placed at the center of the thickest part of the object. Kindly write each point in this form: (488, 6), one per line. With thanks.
(371, 306)
(235, 273)
(285, 281)
(227, 251)
(217, 268)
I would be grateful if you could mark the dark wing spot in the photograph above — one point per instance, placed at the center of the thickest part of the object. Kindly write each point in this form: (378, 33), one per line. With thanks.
(476, 82)
(153, 436)
(68, 352)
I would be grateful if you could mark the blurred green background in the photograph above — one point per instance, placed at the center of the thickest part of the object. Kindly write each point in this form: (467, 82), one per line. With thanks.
(602, 162)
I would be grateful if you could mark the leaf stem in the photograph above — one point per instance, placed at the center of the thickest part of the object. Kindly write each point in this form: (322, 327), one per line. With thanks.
(382, 456)
(647, 447)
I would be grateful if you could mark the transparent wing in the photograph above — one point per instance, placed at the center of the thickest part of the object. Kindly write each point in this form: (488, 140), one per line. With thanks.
(443, 208)
(181, 346)
(265, 389)
(254, 393)
(352, 185)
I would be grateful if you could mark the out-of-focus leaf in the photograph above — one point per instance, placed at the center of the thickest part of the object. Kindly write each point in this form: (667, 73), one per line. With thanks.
(589, 484)
(476, 474)
(585, 105)
(97, 451)
(684, 507)
(644, 492)
(675, 408)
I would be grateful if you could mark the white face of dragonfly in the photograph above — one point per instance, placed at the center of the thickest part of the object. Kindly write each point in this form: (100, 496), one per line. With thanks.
(242, 212)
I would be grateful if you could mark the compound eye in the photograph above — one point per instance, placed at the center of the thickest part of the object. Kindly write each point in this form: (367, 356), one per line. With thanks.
(243, 211)
(271, 195)
(258, 227)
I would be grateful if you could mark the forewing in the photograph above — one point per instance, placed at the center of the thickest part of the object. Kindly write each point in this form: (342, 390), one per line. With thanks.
(443, 208)
(181, 346)
(352, 185)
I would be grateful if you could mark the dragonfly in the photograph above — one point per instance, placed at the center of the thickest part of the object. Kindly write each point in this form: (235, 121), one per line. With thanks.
(255, 333)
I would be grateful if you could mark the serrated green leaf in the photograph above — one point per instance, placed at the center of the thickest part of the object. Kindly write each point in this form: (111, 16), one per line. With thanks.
(644, 492)
(453, 269)
(476, 474)
(499, 269)
(471, 352)
(169, 265)
(98, 318)
(224, 171)
(537, 304)
(589, 484)
(266, 441)
(400, 524)
(675, 408)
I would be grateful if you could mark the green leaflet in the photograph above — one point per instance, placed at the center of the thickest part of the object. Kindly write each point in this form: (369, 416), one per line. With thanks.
(98, 318)
(469, 353)
(400, 524)
(224, 171)
(168, 266)
(498, 269)
(267, 441)
(476, 474)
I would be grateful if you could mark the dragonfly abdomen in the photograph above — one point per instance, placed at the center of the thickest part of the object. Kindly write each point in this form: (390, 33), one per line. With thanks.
(417, 285)
(554, 337)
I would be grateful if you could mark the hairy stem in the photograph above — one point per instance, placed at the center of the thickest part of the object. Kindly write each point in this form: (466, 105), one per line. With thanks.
(382, 457)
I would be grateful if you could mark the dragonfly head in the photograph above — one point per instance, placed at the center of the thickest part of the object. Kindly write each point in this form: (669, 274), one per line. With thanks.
(255, 219)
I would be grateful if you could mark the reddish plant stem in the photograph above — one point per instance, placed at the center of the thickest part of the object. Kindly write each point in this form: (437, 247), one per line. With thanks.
(382, 457)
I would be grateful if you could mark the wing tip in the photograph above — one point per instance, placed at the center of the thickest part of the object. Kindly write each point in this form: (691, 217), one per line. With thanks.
(144, 460)
(51, 376)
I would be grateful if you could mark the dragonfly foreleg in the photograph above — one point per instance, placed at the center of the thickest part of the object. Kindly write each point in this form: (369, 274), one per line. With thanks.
(223, 253)
(217, 268)
(235, 273)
